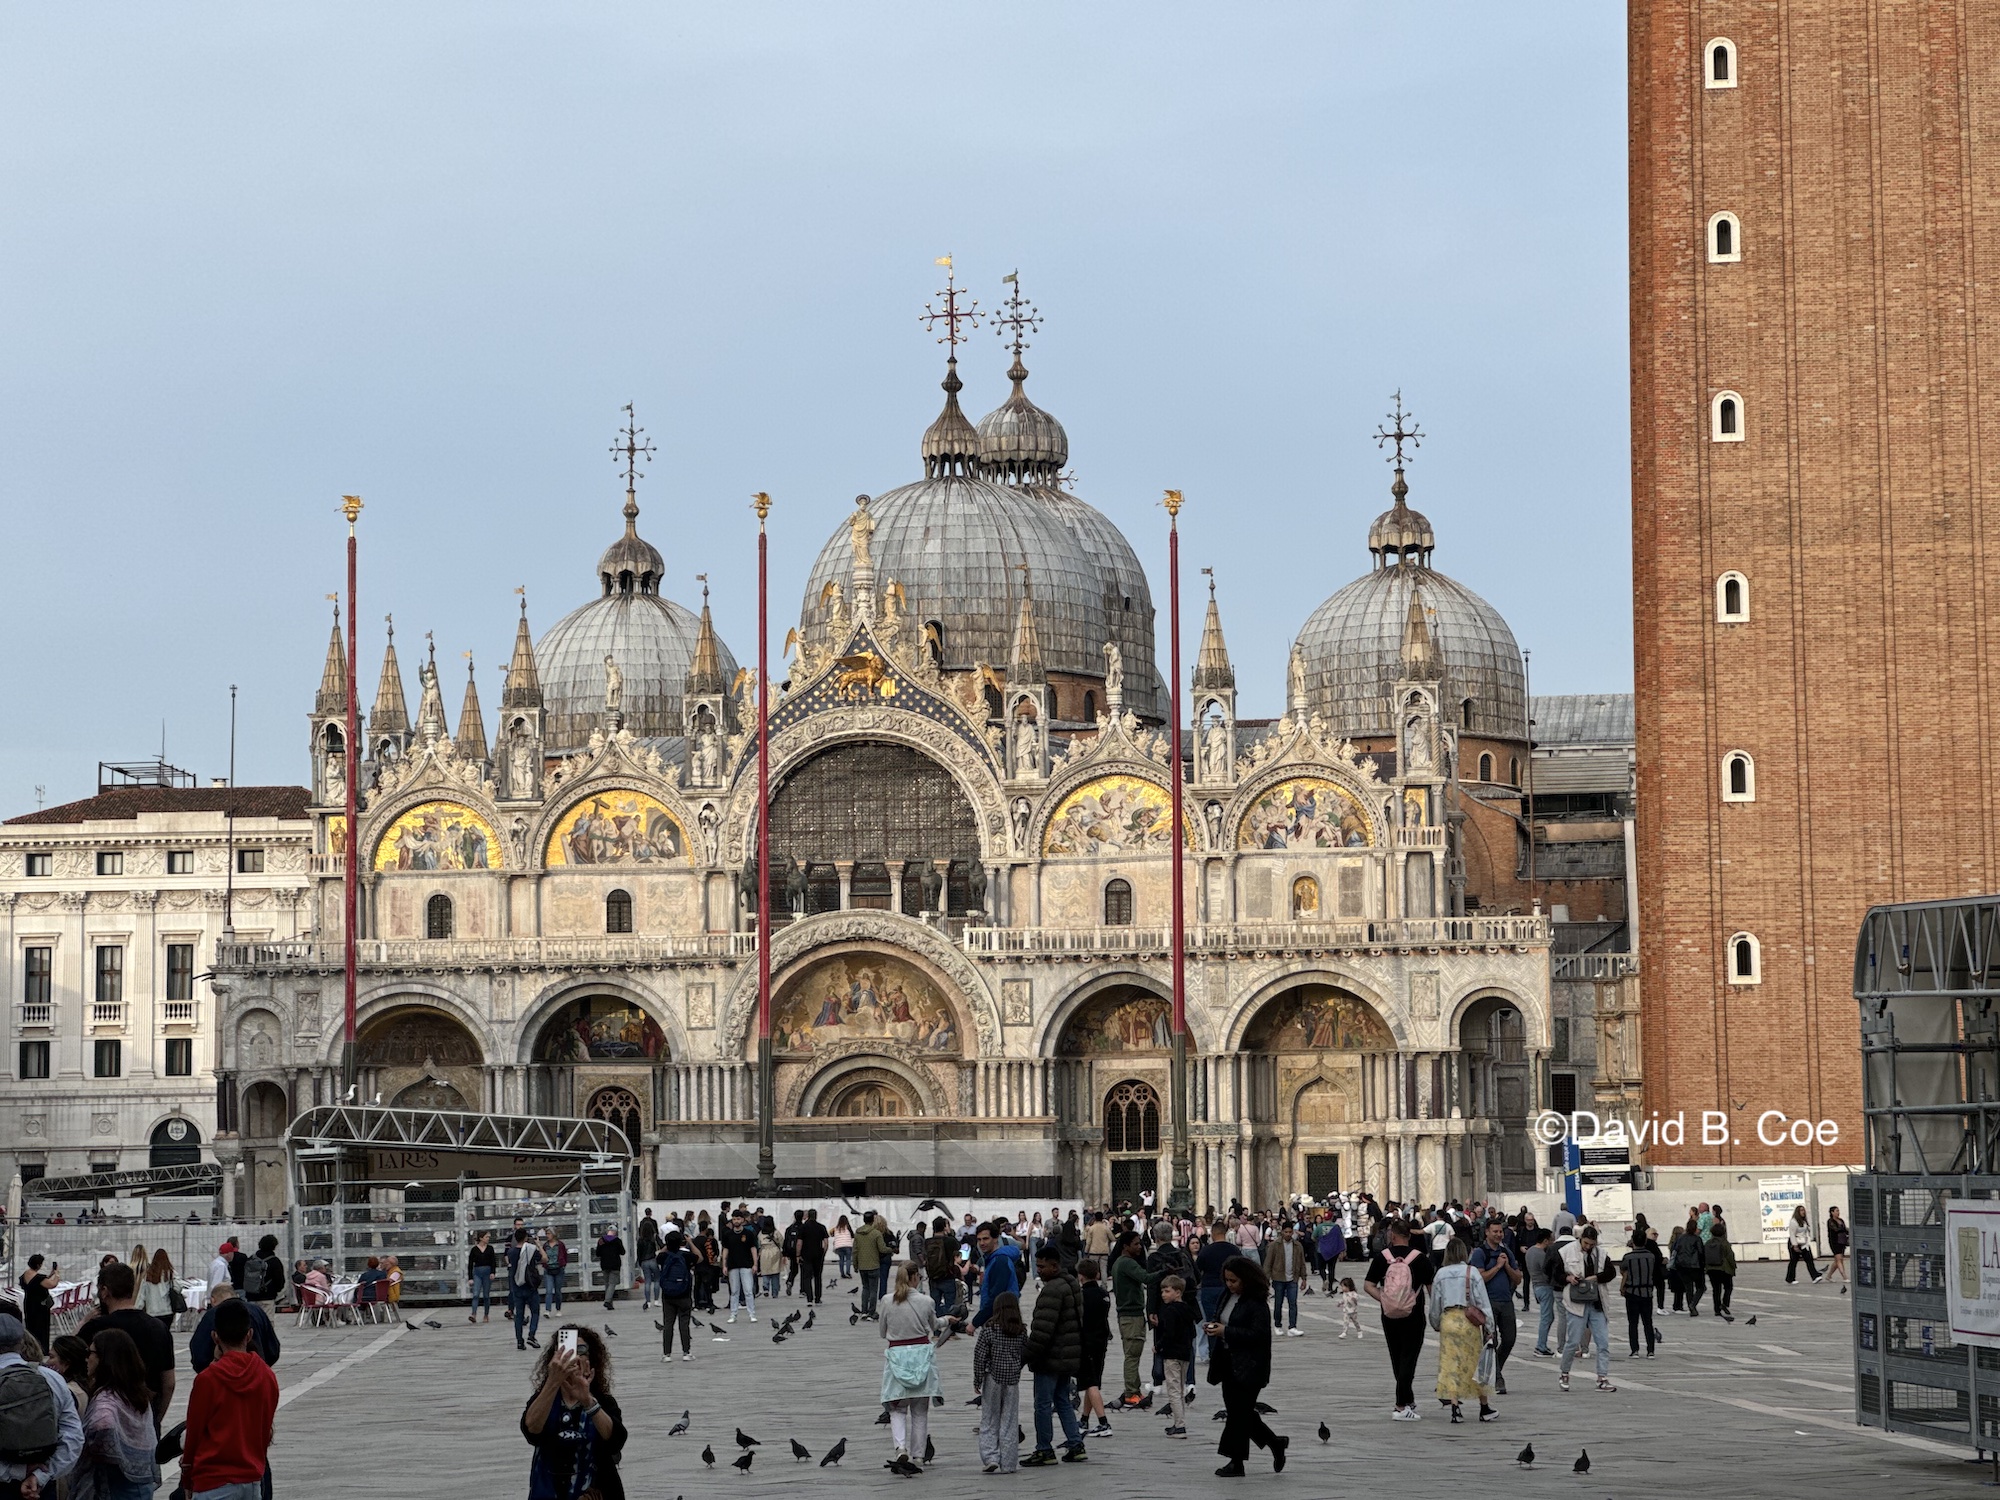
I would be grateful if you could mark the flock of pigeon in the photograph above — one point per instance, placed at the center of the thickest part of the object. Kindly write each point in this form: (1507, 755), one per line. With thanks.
(790, 1324)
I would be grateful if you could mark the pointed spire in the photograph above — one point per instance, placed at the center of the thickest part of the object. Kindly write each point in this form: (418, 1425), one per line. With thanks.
(1421, 659)
(951, 444)
(471, 736)
(523, 688)
(1025, 666)
(704, 677)
(1212, 670)
(392, 709)
(332, 697)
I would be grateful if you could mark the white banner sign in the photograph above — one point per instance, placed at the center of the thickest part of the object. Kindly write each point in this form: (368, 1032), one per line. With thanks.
(1972, 1270)
(1776, 1198)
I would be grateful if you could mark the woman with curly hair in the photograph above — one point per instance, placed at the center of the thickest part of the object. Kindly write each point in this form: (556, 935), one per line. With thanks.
(573, 1422)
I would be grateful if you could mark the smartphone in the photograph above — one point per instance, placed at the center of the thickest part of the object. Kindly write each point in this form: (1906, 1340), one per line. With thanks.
(965, 1252)
(567, 1342)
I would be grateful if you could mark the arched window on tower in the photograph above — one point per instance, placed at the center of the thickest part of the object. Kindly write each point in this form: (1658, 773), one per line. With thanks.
(1513, 770)
(1725, 419)
(1725, 239)
(1485, 767)
(437, 918)
(618, 912)
(1720, 65)
(1465, 714)
(1739, 777)
(1732, 599)
(1117, 903)
(1746, 960)
(1090, 708)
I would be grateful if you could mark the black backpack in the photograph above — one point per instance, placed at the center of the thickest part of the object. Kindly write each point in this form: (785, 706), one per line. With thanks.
(676, 1280)
(29, 1430)
(274, 1280)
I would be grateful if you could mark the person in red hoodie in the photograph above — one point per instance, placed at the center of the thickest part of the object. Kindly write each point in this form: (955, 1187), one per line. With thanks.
(230, 1415)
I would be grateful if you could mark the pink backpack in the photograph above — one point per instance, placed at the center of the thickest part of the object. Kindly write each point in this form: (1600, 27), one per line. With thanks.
(1399, 1290)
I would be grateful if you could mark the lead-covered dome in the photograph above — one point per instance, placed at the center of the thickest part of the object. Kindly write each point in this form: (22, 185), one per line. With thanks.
(1023, 447)
(1353, 643)
(956, 542)
(652, 639)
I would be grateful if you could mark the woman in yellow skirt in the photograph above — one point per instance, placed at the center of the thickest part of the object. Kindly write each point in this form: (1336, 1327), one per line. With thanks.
(1461, 1314)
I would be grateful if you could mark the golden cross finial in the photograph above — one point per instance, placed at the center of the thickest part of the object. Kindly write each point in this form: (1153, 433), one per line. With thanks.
(632, 449)
(952, 315)
(1399, 435)
(1021, 316)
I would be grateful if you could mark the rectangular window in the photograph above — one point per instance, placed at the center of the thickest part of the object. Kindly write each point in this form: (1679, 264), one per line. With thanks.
(38, 975)
(1562, 1093)
(110, 862)
(107, 1059)
(180, 1057)
(41, 864)
(180, 971)
(180, 861)
(1561, 1052)
(110, 976)
(33, 1171)
(34, 1059)
(249, 861)
(104, 1168)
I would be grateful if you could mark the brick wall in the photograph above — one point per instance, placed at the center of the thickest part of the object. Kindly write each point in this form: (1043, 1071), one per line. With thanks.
(1852, 326)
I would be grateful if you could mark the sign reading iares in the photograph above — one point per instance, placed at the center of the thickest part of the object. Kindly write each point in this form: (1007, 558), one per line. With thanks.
(423, 1164)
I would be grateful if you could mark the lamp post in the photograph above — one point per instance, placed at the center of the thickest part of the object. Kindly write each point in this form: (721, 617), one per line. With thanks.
(1181, 1196)
(350, 506)
(767, 1164)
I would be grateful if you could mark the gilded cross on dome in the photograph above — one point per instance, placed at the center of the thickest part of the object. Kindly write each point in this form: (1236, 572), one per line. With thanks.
(634, 446)
(953, 314)
(1399, 434)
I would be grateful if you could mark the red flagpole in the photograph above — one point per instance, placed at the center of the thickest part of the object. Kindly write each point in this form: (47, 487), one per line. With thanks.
(350, 875)
(767, 1167)
(1182, 1191)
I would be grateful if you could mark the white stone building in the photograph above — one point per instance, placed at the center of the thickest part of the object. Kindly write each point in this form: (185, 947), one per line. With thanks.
(112, 908)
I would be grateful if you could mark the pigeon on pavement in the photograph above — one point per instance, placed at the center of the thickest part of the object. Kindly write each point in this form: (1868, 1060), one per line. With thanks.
(800, 1451)
(930, 1448)
(432, 1323)
(1751, 1321)
(809, 1322)
(743, 1463)
(679, 1427)
(708, 1454)
(1526, 1457)
(610, 1332)
(1582, 1464)
(1325, 1432)
(835, 1454)
(744, 1440)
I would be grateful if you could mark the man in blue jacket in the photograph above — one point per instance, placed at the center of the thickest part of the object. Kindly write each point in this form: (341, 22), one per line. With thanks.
(1000, 1271)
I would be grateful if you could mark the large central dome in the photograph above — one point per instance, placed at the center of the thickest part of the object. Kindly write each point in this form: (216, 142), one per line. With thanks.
(1353, 643)
(957, 543)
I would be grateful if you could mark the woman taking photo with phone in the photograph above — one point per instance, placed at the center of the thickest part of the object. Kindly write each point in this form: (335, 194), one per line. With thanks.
(573, 1422)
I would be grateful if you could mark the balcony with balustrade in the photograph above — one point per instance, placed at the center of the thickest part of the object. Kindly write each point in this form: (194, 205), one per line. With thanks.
(107, 1014)
(624, 951)
(34, 1015)
(1425, 933)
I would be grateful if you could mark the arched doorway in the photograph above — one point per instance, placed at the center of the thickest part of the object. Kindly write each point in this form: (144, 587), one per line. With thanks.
(175, 1143)
(869, 1094)
(1116, 1042)
(592, 1041)
(1132, 1116)
(866, 1033)
(879, 805)
(1304, 1091)
(266, 1111)
(411, 1052)
(1499, 1086)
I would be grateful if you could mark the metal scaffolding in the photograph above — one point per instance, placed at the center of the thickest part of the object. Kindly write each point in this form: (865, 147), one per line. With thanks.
(1927, 980)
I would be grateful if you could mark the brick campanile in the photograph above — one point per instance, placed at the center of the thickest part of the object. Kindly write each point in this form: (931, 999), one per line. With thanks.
(1815, 240)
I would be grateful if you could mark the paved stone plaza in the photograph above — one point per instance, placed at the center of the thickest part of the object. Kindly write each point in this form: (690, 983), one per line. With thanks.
(1750, 1412)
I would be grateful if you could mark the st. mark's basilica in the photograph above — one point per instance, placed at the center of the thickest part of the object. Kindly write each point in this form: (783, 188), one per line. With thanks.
(969, 871)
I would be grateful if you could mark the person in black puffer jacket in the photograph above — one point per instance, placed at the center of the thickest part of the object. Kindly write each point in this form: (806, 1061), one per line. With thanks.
(1054, 1352)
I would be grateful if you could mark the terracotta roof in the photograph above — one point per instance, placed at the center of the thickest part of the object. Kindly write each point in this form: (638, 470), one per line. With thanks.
(120, 803)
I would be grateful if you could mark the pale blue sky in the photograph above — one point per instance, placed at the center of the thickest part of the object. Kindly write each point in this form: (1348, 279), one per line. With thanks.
(254, 256)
